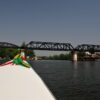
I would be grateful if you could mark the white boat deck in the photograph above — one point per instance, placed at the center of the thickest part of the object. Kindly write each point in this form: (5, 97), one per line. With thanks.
(20, 83)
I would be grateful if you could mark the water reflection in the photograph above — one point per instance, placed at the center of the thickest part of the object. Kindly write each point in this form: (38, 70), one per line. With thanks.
(75, 66)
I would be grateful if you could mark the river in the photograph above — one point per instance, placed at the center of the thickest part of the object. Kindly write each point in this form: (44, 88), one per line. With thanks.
(69, 80)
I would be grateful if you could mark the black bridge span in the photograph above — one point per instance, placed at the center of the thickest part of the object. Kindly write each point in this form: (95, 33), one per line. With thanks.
(40, 46)
(8, 45)
(88, 47)
(54, 46)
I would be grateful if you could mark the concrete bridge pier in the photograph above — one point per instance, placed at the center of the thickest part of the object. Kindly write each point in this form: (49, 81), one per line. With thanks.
(22, 53)
(35, 58)
(75, 56)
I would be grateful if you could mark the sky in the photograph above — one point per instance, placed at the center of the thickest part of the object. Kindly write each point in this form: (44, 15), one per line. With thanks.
(70, 21)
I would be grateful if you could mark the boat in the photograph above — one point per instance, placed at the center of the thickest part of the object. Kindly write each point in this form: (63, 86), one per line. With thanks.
(19, 81)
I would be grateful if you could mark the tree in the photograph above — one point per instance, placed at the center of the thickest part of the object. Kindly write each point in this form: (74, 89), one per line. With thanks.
(8, 52)
(81, 54)
(28, 52)
(61, 57)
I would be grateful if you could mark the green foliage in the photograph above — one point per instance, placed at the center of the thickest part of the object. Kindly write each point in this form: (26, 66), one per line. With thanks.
(44, 57)
(81, 54)
(8, 52)
(30, 53)
(59, 57)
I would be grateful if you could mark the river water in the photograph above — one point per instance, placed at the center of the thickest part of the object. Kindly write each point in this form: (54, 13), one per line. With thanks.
(69, 80)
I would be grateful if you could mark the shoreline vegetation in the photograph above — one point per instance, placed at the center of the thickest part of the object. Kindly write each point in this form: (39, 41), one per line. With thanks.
(57, 57)
(7, 54)
(82, 56)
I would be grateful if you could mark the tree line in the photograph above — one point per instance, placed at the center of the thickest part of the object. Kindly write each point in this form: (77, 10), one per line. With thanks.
(9, 53)
(58, 57)
(67, 56)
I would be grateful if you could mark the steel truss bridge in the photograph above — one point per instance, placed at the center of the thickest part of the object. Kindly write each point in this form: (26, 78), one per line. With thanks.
(54, 46)
(50, 46)
(88, 47)
(8, 45)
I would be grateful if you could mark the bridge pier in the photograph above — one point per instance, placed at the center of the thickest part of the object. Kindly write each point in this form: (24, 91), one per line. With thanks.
(22, 53)
(35, 58)
(75, 56)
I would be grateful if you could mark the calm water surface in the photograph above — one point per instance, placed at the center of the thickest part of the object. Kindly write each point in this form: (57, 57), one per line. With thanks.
(70, 81)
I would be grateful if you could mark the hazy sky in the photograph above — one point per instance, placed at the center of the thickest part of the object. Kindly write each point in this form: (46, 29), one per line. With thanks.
(74, 21)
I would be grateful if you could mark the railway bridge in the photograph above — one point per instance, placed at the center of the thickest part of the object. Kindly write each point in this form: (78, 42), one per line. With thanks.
(54, 46)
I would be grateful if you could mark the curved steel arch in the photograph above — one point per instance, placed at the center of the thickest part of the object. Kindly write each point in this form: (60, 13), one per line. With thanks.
(8, 45)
